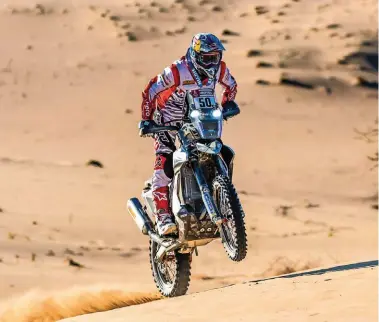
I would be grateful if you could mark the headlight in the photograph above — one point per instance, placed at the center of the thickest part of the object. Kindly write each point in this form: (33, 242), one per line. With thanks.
(195, 113)
(216, 113)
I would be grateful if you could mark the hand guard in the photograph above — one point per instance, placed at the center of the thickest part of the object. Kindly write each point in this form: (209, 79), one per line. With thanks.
(145, 127)
(230, 109)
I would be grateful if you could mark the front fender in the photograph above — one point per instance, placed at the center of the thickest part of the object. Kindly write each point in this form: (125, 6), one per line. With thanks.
(228, 155)
(222, 167)
(210, 148)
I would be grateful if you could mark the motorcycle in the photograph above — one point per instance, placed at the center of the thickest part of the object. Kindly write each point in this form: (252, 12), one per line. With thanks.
(203, 200)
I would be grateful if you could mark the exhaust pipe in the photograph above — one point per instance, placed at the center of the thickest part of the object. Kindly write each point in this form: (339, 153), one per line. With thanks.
(142, 220)
(145, 224)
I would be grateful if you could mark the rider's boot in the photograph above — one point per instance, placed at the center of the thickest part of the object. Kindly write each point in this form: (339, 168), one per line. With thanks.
(165, 223)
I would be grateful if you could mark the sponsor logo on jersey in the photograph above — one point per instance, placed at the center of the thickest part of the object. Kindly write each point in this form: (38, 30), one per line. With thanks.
(193, 71)
(189, 82)
(158, 163)
(147, 109)
(196, 76)
(160, 195)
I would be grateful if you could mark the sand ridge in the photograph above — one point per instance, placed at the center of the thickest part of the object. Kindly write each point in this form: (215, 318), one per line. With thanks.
(315, 295)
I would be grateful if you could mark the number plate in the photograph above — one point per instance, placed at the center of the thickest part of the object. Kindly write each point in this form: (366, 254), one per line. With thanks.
(204, 102)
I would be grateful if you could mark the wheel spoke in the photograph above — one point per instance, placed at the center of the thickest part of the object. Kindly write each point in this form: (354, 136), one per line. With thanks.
(166, 269)
(171, 275)
(223, 197)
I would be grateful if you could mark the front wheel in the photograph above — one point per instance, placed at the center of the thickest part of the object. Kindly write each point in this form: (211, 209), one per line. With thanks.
(172, 275)
(233, 230)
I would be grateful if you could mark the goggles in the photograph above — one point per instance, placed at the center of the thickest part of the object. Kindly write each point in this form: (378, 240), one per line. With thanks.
(207, 59)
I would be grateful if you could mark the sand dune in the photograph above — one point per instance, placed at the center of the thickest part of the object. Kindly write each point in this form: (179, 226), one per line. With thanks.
(316, 295)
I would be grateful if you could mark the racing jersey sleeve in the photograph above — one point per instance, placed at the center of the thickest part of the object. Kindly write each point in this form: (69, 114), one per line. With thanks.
(168, 79)
(227, 81)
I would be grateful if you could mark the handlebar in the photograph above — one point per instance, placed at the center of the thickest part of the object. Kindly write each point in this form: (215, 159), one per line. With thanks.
(157, 129)
(150, 127)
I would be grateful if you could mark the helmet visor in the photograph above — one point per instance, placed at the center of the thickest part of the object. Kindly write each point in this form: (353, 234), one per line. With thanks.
(208, 59)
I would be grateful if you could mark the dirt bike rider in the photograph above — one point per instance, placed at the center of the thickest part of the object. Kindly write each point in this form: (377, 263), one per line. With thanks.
(163, 101)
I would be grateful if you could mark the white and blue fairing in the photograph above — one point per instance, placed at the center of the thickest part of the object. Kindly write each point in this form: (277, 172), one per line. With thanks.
(205, 114)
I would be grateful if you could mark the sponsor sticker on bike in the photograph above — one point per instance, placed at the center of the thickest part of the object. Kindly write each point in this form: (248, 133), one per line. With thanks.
(209, 203)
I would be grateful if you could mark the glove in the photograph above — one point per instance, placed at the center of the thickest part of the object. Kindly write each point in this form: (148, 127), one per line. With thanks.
(230, 109)
(145, 127)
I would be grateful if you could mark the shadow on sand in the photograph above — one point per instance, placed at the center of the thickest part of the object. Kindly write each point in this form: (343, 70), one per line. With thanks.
(339, 268)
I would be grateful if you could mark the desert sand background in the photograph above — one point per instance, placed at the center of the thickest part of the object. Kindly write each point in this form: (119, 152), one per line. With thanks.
(71, 76)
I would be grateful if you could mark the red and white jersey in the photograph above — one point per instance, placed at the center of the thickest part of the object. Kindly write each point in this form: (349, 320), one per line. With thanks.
(166, 92)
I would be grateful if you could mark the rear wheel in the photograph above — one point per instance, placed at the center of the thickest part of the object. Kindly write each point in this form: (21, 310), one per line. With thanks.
(172, 275)
(233, 230)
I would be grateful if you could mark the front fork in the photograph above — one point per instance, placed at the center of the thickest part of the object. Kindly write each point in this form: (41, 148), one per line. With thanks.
(212, 210)
(206, 195)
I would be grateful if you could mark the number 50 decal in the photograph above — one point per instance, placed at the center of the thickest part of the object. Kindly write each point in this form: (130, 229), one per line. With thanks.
(205, 102)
